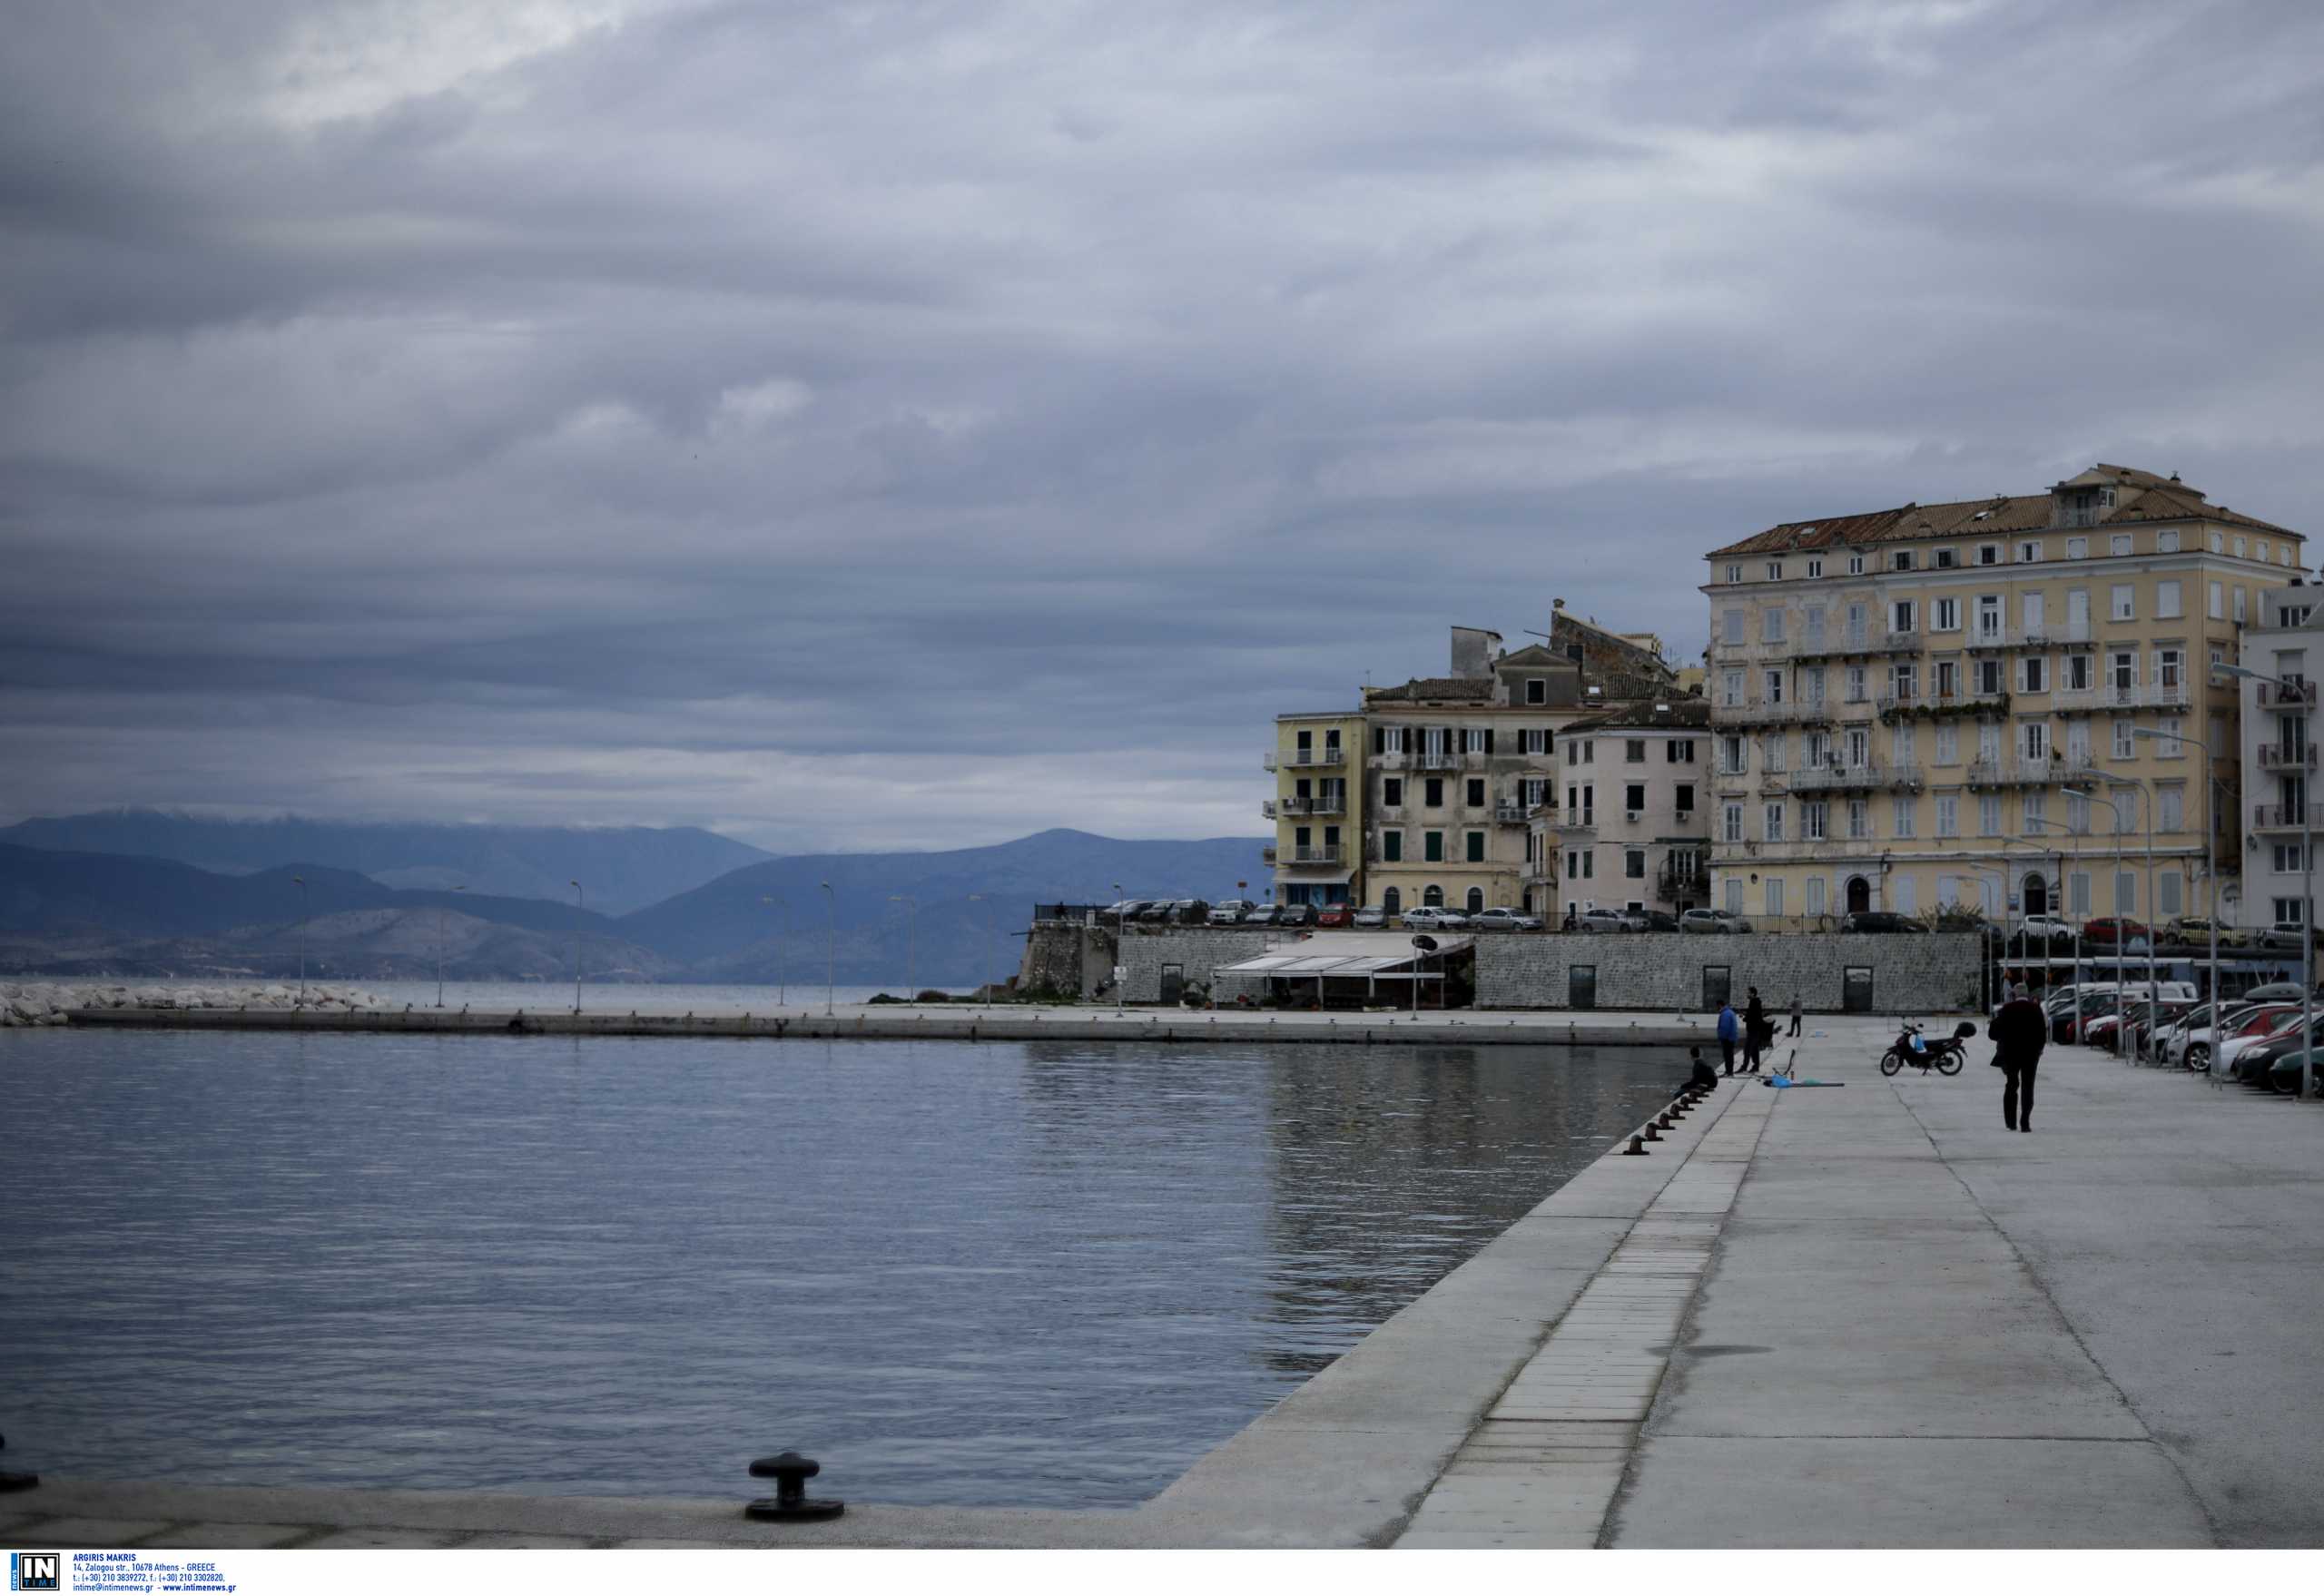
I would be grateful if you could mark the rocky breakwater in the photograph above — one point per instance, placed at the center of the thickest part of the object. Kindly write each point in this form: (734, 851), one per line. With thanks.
(51, 1003)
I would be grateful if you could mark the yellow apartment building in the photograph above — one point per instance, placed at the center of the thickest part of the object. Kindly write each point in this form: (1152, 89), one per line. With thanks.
(1317, 808)
(1963, 702)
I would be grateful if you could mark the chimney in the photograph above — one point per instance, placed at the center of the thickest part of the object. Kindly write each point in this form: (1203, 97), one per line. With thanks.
(1473, 653)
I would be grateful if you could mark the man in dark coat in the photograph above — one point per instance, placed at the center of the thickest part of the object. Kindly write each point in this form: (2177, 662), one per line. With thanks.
(1757, 1032)
(2019, 1032)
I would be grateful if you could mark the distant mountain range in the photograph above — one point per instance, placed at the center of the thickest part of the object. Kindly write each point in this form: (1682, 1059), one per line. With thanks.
(621, 868)
(92, 912)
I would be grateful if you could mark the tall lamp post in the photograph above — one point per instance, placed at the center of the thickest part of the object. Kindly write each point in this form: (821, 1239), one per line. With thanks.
(781, 930)
(2211, 841)
(911, 941)
(2299, 691)
(830, 977)
(2060, 910)
(2122, 1019)
(443, 913)
(577, 945)
(1121, 945)
(301, 881)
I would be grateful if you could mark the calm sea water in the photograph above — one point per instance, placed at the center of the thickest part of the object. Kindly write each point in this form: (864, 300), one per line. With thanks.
(508, 996)
(1036, 1274)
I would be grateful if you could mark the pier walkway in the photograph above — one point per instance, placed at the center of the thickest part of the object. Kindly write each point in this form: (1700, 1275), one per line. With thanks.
(1863, 1316)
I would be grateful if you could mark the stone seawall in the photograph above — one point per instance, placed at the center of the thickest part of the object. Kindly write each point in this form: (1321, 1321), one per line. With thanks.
(1681, 972)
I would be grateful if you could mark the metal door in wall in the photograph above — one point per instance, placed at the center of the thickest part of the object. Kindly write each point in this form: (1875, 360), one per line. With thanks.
(1718, 985)
(1174, 983)
(1856, 989)
(1582, 986)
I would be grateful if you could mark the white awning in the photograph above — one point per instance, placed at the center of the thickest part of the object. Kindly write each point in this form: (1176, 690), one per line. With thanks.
(1340, 954)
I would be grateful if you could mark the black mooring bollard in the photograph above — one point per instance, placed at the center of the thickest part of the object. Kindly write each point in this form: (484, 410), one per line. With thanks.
(11, 1480)
(1637, 1149)
(789, 1472)
(1651, 1134)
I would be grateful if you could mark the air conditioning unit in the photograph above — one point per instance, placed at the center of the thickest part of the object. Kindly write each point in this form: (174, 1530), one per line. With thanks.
(1631, 815)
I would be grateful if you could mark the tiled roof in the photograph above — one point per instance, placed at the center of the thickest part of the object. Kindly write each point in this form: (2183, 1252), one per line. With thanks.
(1646, 715)
(1427, 688)
(2143, 497)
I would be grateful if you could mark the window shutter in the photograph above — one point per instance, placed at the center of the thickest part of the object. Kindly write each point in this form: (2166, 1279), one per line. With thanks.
(1379, 739)
(1488, 739)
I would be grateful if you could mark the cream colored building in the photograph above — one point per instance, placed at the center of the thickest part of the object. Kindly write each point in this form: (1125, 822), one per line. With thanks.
(1942, 702)
(2280, 760)
(1318, 808)
(1633, 828)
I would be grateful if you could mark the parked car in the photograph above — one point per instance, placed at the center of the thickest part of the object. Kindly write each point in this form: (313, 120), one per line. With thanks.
(1371, 917)
(1157, 908)
(1295, 914)
(2110, 931)
(1231, 911)
(2193, 930)
(2284, 1073)
(1265, 915)
(1428, 918)
(1337, 915)
(1654, 919)
(1600, 921)
(2275, 991)
(1713, 920)
(2045, 928)
(1127, 909)
(2255, 1065)
(2257, 1031)
(1513, 920)
(2286, 933)
(1881, 920)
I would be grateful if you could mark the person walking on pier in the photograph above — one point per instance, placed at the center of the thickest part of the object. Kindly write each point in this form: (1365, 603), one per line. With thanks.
(1729, 1030)
(1757, 1032)
(2019, 1032)
(1794, 1013)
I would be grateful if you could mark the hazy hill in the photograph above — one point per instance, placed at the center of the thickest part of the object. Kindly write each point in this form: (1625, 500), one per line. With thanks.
(723, 931)
(623, 867)
(89, 913)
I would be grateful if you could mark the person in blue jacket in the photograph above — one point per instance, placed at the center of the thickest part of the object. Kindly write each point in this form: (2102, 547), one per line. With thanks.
(1730, 1031)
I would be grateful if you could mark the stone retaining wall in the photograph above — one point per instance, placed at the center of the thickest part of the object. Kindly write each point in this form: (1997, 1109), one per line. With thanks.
(1197, 951)
(1910, 974)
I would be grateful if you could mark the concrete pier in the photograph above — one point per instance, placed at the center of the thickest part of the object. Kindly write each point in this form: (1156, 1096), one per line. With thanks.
(1861, 1317)
(963, 1022)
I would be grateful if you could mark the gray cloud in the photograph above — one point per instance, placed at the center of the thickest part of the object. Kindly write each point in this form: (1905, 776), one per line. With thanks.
(914, 425)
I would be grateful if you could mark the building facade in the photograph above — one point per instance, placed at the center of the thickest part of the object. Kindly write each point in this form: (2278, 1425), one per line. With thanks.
(1964, 704)
(1317, 808)
(1632, 830)
(2278, 760)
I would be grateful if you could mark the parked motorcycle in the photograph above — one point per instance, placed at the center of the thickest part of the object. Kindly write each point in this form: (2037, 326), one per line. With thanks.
(1945, 1055)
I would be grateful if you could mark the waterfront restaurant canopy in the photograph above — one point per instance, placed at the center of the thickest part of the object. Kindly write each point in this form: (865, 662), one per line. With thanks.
(1335, 957)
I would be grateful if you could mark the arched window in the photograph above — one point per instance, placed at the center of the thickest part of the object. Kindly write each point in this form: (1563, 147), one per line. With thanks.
(1392, 902)
(1432, 897)
(1859, 894)
(2035, 893)
(1476, 900)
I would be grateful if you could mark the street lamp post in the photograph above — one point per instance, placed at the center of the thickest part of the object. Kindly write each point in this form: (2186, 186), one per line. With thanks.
(2121, 1016)
(443, 913)
(830, 978)
(578, 896)
(781, 930)
(911, 941)
(2299, 691)
(302, 936)
(1121, 945)
(2062, 909)
(2211, 841)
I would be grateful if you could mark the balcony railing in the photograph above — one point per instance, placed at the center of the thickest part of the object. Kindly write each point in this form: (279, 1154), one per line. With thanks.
(1323, 758)
(2295, 696)
(1441, 759)
(1267, 854)
(2284, 756)
(1865, 777)
(2122, 695)
(1267, 810)
(1858, 640)
(1325, 805)
(1939, 700)
(1760, 712)
(1509, 814)
(1579, 820)
(1321, 853)
(2015, 773)
(2286, 817)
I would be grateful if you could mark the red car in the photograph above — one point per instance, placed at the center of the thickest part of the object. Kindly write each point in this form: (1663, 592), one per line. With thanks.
(2110, 931)
(1339, 914)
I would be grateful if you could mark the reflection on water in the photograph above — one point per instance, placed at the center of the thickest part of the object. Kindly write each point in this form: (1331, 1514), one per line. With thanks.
(1036, 1273)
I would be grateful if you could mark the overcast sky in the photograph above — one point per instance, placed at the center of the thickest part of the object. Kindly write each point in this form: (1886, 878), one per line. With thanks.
(914, 425)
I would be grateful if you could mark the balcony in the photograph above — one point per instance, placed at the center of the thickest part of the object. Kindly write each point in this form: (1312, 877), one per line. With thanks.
(1856, 640)
(1267, 854)
(1325, 805)
(1328, 757)
(1317, 856)
(2115, 695)
(2286, 817)
(1439, 759)
(1267, 810)
(2300, 694)
(1760, 712)
(1580, 821)
(1691, 880)
(1508, 814)
(2285, 756)
(2015, 773)
(1934, 701)
(1858, 778)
